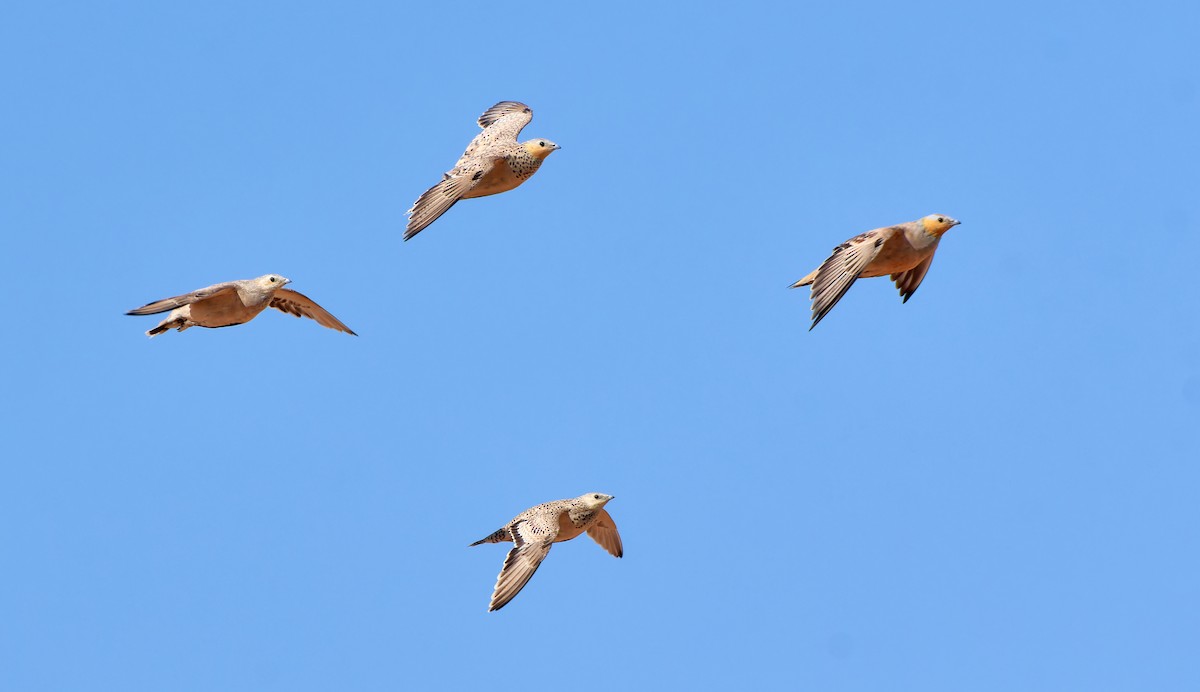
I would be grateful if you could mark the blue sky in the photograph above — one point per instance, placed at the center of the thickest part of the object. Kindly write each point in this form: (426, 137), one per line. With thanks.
(991, 487)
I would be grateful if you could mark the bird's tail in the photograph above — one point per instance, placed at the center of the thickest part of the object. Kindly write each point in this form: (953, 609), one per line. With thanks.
(806, 280)
(177, 323)
(498, 536)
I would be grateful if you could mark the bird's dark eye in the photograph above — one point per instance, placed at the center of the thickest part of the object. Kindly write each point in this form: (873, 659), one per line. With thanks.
(941, 220)
(596, 496)
(541, 144)
(272, 279)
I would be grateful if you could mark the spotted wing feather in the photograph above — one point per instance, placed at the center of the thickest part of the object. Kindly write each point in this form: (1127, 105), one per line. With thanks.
(532, 538)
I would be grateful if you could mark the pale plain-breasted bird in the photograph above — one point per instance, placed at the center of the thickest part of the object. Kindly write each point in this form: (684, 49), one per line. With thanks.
(236, 302)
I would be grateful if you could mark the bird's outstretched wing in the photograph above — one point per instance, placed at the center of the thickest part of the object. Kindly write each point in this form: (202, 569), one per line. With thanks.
(185, 299)
(909, 281)
(438, 199)
(604, 531)
(300, 305)
(837, 274)
(532, 538)
(506, 119)
(501, 124)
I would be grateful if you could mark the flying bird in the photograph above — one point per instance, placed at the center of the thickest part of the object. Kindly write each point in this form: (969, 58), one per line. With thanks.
(236, 302)
(536, 529)
(904, 251)
(494, 162)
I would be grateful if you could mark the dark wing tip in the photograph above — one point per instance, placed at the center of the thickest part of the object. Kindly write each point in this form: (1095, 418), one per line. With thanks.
(818, 316)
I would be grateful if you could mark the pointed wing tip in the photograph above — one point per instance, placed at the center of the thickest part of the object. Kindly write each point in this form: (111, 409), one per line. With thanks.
(495, 605)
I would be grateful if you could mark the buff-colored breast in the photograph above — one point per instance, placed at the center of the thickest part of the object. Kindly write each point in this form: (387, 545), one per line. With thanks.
(897, 255)
(222, 310)
(567, 528)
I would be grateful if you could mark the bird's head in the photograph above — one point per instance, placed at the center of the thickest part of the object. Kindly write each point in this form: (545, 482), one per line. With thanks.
(272, 281)
(937, 224)
(540, 148)
(595, 500)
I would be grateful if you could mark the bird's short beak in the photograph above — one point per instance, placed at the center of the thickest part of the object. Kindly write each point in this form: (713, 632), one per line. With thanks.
(557, 147)
(956, 222)
(286, 282)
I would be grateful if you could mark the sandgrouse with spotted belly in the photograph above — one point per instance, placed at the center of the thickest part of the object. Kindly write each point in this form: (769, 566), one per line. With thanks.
(494, 162)
(533, 531)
